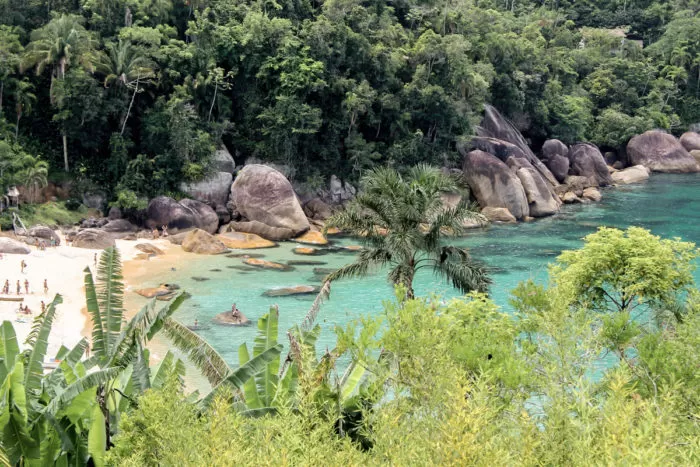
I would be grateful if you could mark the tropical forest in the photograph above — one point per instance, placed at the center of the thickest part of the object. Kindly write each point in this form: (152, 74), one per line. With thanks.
(349, 232)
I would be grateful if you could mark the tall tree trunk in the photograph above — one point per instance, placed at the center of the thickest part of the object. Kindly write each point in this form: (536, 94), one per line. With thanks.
(19, 115)
(65, 152)
(213, 101)
(2, 89)
(128, 111)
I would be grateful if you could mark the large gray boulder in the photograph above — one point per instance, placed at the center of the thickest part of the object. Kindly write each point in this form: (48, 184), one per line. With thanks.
(213, 189)
(185, 215)
(540, 199)
(340, 191)
(495, 125)
(660, 152)
(94, 239)
(223, 160)
(202, 243)
(13, 247)
(494, 184)
(690, 141)
(317, 209)
(119, 226)
(586, 161)
(262, 194)
(44, 233)
(555, 156)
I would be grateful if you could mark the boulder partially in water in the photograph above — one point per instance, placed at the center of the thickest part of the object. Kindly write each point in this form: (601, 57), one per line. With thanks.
(230, 319)
(592, 194)
(660, 152)
(690, 141)
(305, 250)
(161, 290)
(498, 215)
(634, 174)
(587, 161)
(243, 240)
(312, 238)
(202, 243)
(264, 195)
(494, 184)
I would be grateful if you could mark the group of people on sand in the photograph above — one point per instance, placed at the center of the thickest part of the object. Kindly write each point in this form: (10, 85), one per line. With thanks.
(157, 235)
(24, 309)
(41, 244)
(6, 287)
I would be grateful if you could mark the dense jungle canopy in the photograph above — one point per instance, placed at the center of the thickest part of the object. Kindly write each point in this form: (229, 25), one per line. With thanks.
(133, 96)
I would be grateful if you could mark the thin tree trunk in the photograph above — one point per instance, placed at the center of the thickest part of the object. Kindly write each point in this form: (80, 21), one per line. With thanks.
(65, 152)
(2, 89)
(128, 111)
(19, 115)
(213, 101)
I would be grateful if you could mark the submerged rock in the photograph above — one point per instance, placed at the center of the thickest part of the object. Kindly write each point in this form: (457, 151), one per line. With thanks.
(245, 255)
(287, 291)
(261, 263)
(199, 279)
(305, 250)
(301, 262)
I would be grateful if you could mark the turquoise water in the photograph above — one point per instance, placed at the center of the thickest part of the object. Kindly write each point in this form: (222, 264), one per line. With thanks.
(668, 205)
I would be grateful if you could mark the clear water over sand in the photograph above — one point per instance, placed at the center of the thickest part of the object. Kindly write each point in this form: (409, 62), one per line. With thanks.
(668, 205)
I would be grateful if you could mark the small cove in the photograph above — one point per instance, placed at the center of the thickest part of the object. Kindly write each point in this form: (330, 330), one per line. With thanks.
(668, 205)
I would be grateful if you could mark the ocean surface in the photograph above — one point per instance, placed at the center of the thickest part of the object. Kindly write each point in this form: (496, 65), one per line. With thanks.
(668, 205)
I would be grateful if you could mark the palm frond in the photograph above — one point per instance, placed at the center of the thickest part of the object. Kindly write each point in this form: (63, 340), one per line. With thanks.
(199, 352)
(92, 380)
(465, 273)
(322, 296)
(40, 338)
(99, 344)
(110, 295)
(365, 260)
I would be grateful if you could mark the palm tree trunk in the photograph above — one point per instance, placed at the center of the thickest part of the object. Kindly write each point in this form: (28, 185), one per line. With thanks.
(128, 111)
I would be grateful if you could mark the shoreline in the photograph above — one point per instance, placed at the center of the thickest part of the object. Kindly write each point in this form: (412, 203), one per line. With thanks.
(63, 268)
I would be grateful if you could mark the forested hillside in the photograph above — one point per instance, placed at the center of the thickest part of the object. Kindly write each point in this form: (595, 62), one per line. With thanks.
(135, 95)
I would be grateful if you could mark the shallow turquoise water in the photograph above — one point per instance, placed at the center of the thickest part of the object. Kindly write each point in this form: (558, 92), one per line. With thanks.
(668, 205)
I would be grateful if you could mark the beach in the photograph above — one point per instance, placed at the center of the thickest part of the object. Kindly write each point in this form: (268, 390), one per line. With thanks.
(63, 268)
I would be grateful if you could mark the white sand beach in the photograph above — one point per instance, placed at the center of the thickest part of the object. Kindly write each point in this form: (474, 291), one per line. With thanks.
(63, 268)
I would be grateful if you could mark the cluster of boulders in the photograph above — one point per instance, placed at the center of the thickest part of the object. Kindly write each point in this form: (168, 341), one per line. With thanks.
(511, 183)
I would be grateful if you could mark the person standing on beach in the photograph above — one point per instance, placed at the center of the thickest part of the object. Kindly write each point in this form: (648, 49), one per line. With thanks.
(95, 258)
(46, 287)
(6, 287)
(19, 288)
(22, 265)
(26, 286)
(43, 307)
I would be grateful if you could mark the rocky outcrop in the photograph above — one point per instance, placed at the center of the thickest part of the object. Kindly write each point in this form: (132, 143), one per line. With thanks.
(341, 191)
(214, 189)
(246, 241)
(570, 198)
(94, 199)
(114, 213)
(495, 125)
(161, 290)
(494, 184)
(202, 243)
(555, 156)
(317, 209)
(635, 174)
(262, 194)
(187, 214)
(13, 247)
(498, 215)
(690, 141)
(587, 161)
(540, 199)
(94, 239)
(44, 233)
(119, 226)
(696, 155)
(223, 161)
(660, 152)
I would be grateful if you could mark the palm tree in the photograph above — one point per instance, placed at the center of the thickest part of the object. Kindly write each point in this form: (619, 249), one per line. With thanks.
(24, 98)
(125, 66)
(402, 221)
(34, 176)
(58, 45)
